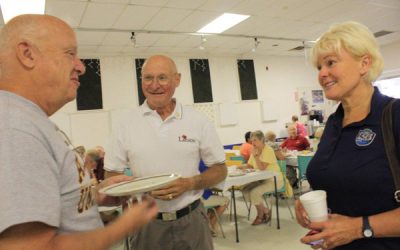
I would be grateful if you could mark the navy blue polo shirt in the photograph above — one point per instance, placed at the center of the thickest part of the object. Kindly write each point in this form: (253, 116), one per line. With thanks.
(351, 166)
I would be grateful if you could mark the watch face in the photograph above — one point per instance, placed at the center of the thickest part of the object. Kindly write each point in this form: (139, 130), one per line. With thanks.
(367, 233)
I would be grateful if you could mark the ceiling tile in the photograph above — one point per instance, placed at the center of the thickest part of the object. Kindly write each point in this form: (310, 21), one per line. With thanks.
(117, 39)
(110, 1)
(101, 15)
(155, 22)
(150, 2)
(219, 6)
(251, 7)
(185, 4)
(167, 19)
(170, 40)
(90, 37)
(195, 21)
(135, 17)
(69, 11)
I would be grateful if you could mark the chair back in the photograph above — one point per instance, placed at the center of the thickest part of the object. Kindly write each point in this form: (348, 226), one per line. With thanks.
(228, 155)
(238, 158)
(236, 147)
(127, 171)
(282, 166)
(303, 161)
(286, 189)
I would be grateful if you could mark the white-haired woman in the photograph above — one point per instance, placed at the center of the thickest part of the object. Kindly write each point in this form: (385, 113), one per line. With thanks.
(351, 163)
(263, 158)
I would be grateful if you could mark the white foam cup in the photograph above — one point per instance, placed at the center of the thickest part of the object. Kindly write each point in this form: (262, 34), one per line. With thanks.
(314, 202)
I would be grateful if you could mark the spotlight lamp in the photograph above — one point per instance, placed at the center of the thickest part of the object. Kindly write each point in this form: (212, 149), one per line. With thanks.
(133, 39)
(203, 40)
(256, 43)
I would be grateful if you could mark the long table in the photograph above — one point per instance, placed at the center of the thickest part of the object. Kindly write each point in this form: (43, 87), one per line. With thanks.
(232, 181)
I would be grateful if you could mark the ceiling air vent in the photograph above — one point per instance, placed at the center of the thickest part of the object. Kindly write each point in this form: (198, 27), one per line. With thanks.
(297, 48)
(382, 33)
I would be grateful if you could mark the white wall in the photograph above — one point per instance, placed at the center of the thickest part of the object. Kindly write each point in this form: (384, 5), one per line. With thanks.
(276, 86)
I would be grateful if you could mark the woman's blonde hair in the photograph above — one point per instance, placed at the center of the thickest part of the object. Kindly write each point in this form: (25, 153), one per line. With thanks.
(356, 39)
(270, 136)
(258, 134)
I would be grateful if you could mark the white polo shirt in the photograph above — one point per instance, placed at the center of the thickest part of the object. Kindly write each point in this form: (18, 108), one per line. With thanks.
(151, 146)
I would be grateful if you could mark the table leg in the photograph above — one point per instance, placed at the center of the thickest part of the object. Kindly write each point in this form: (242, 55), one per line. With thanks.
(234, 213)
(277, 203)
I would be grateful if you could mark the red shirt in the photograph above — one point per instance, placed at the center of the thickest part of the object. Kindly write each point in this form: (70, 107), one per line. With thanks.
(245, 150)
(299, 143)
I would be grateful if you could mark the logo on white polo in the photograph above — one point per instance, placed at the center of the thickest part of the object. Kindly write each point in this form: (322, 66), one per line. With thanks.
(184, 138)
(365, 137)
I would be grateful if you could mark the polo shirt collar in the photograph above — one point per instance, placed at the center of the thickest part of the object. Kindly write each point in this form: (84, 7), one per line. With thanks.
(371, 119)
(177, 113)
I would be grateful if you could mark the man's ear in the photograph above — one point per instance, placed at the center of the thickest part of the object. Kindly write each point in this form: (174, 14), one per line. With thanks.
(26, 54)
(177, 79)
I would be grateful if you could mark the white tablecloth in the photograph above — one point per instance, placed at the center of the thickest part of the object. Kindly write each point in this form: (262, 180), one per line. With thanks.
(244, 179)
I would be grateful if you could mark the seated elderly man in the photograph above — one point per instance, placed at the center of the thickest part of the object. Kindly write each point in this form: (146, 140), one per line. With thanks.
(294, 142)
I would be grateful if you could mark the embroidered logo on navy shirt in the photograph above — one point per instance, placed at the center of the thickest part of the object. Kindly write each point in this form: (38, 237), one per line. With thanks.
(365, 137)
(184, 138)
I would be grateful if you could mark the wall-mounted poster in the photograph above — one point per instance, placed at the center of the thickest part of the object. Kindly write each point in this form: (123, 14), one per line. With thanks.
(139, 63)
(247, 79)
(201, 80)
(304, 103)
(317, 96)
(89, 95)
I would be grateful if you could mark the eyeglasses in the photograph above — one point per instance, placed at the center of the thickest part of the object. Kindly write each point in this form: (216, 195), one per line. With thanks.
(161, 79)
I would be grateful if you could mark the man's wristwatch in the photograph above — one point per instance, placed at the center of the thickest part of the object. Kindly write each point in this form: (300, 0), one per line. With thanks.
(366, 228)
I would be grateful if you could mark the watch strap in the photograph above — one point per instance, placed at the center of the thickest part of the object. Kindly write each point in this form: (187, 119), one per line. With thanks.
(366, 228)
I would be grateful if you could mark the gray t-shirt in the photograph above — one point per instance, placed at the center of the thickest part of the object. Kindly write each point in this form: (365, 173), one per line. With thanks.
(41, 179)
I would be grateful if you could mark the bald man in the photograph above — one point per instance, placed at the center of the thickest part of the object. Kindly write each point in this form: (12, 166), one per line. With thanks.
(164, 136)
(47, 201)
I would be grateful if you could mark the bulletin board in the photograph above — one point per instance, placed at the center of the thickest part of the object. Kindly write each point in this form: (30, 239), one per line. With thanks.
(268, 112)
(227, 114)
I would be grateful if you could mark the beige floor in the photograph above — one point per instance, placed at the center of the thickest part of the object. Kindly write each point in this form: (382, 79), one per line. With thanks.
(259, 237)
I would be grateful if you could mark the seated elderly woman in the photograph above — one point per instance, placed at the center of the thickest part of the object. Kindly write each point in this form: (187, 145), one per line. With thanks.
(91, 163)
(270, 141)
(263, 158)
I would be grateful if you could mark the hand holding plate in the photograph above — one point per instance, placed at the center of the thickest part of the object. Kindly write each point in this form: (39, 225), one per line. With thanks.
(173, 190)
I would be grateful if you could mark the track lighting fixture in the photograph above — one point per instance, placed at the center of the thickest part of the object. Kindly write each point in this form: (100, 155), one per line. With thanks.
(133, 39)
(256, 43)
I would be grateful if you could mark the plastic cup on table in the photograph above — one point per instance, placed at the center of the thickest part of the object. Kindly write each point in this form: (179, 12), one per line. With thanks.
(314, 202)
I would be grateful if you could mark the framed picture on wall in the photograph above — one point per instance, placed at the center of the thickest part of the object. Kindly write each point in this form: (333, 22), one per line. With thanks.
(317, 96)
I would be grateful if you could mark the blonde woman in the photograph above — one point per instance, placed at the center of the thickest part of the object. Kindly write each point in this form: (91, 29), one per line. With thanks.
(351, 164)
(262, 158)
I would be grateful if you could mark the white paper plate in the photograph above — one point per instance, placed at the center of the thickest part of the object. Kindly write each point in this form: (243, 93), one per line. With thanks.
(139, 185)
